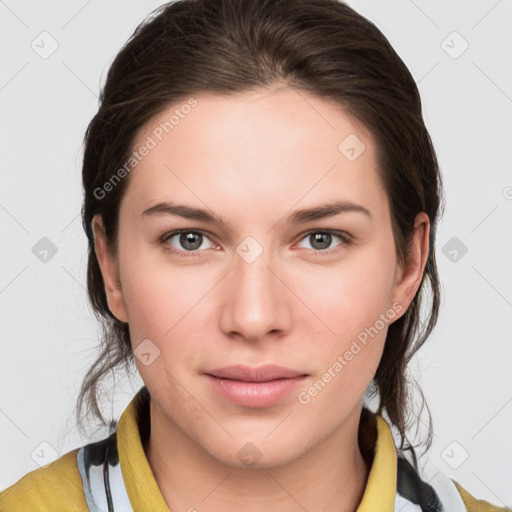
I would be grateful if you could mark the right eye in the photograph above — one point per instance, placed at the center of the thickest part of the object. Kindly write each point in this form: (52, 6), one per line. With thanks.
(185, 242)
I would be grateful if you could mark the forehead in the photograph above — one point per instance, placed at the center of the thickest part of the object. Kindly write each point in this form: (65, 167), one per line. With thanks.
(280, 146)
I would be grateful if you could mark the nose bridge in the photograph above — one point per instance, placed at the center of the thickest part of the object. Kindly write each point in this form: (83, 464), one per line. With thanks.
(256, 299)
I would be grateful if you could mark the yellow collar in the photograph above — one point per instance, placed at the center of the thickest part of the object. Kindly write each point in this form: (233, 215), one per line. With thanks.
(379, 495)
(144, 493)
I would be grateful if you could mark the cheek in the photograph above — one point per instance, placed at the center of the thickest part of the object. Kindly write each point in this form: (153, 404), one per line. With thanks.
(354, 302)
(169, 306)
(352, 296)
(157, 293)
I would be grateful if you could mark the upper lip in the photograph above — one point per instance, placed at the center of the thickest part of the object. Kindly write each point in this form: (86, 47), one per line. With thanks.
(259, 374)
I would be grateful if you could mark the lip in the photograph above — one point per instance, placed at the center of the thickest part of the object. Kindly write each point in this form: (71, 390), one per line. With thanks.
(262, 386)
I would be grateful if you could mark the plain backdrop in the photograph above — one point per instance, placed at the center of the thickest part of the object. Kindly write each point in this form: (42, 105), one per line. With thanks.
(459, 54)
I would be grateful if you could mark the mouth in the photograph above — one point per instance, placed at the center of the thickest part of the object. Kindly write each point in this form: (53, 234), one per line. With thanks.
(258, 387)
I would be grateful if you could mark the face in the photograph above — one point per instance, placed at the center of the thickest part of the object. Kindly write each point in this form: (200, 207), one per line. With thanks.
(257, 280)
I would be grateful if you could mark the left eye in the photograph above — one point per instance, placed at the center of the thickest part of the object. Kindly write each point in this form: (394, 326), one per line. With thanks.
(321, 240)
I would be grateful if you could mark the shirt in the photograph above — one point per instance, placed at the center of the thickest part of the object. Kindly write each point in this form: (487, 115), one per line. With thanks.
(114, 474)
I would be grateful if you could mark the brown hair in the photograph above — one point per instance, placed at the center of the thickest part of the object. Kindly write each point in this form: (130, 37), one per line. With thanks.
(323, 47)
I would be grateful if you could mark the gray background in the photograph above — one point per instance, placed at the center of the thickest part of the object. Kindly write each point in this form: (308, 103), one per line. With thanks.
(48, 334)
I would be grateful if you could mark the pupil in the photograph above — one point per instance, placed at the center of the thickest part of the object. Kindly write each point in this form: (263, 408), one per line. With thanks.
(190, 241)
(323, 238)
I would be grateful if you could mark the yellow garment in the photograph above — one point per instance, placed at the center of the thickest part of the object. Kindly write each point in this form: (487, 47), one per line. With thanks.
(58, 486)
(474, 505)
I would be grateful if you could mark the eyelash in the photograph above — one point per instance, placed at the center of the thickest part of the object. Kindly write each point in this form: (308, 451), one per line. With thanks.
(346, 240)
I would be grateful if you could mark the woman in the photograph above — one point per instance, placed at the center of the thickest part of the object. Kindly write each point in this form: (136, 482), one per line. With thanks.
(261, 201)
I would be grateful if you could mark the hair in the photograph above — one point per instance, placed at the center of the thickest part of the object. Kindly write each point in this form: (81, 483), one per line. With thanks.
(225, 47)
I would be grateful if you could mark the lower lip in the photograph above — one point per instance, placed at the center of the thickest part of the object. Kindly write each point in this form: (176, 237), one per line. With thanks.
(254, 394)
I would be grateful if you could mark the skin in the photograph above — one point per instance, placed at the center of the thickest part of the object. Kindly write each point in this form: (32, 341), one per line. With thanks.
(254, 159)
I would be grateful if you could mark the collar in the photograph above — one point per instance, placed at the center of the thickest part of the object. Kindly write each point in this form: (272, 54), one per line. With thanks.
(138, 477)
(144, 493)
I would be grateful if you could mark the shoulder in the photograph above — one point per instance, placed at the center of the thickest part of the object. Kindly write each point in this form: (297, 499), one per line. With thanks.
(474, 505)
(425, 487)
(54, 487)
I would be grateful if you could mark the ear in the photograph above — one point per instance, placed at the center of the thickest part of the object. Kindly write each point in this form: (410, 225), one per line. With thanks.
(109, 271)
(408, 276)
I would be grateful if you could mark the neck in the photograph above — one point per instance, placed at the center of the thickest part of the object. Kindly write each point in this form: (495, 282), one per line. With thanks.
(331, 476)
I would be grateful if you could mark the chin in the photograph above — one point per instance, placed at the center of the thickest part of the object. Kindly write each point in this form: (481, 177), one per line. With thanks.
(256, 454)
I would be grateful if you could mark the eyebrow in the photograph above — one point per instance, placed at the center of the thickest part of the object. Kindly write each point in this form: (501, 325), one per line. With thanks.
(297, 217)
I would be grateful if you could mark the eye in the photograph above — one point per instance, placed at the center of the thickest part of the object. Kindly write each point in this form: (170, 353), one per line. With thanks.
(321, 240)
(190, 243)
(186, 241)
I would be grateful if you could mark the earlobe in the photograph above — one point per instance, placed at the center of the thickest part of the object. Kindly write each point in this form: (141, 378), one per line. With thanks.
(109, 271)
(409, 276)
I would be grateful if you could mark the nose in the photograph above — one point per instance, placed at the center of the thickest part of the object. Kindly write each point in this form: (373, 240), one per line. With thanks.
(256, 302)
